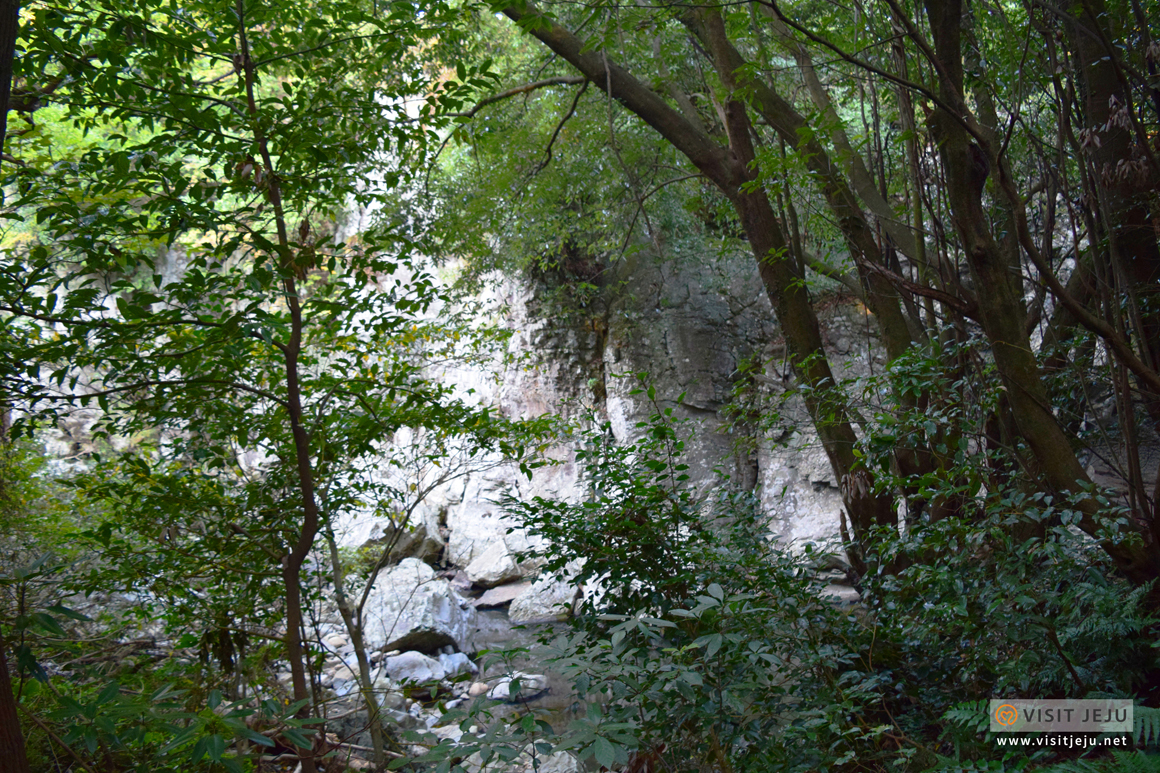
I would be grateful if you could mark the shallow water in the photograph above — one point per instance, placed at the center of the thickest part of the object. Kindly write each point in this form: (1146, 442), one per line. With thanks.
(497, 633)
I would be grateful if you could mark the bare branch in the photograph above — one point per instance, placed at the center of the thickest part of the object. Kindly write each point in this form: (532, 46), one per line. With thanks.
(556, 132)
(564, 80)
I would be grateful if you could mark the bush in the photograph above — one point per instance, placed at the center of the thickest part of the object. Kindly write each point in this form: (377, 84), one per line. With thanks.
(709, 647)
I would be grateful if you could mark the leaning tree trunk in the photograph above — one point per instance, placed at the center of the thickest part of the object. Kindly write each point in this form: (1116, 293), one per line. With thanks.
(730, 169)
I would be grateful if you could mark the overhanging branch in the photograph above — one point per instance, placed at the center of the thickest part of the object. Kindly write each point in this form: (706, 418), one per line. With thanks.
(563, 80)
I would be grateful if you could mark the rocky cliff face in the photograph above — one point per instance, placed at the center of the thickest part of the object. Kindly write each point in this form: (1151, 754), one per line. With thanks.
(704, 330)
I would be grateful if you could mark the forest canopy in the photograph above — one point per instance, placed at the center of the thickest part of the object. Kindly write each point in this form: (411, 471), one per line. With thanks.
(244, 252)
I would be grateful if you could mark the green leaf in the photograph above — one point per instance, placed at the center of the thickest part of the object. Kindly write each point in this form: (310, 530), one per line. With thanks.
(604, 751)
(111, 691)
(296, 737)
(63, 611)
(48, 623)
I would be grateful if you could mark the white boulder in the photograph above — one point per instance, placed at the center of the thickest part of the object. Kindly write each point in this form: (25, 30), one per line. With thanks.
(529, 686)
(410, 608)
(414, 667)
(494, 566)
(549, 598)
(457, 663)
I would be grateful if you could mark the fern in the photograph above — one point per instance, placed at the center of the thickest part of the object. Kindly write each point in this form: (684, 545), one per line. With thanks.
(1147, 725)
(971, 715)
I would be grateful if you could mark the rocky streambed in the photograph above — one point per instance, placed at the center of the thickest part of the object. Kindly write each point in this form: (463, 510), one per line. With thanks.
(437, 643)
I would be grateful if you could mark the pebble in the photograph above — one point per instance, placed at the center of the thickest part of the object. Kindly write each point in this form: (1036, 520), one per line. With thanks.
(477, 689)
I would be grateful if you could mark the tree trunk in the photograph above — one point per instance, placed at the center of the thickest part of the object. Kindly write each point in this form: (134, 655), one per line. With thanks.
(730, 169)
(968, 157)
(352, 619)
(13, 758)
(1125, 176)
(294, 559)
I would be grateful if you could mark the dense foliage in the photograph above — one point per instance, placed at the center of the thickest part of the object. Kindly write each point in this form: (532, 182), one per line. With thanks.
(216, 277)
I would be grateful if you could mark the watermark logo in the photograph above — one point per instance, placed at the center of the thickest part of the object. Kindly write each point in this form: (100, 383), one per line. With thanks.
(1006, 714)
(1020, 715)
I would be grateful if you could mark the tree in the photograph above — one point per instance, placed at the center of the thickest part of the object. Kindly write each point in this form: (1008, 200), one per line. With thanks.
(953, 165)
(189, 280)
(11, 737)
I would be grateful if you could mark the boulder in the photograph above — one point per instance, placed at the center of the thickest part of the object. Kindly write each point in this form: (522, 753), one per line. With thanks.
(530, 687)
(548, 598)
(408, 543)
(842, 595)
(457, 663)
(343, 672)
(497, 597)
(494, 566)
(414, 667)
(474, 528)
(409, 608)
(560, 762)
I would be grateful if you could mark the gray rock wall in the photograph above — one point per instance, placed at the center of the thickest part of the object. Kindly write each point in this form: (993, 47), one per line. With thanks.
(692, 326)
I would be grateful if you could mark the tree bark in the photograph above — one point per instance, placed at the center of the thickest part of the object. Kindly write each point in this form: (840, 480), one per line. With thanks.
(9, 28)
(13, 757)
(1125, 177)
(308, 529)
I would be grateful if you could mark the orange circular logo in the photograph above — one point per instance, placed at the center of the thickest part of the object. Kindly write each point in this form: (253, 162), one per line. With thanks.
(1006, 715)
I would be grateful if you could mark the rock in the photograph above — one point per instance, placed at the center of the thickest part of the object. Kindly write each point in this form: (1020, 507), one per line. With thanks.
(457, 663)
(401, 719)
(494, 566)
(474, 527)
(530, 686)
(414, 667)
(409, 608)
(336, 641)
(389, 694)
(408, 543)
(391, 699)
(497, 597)
(477, 689)
(450, 732)
(560, 762)
(842, 595)
(548, 598)
(343, 672)
(459, 580)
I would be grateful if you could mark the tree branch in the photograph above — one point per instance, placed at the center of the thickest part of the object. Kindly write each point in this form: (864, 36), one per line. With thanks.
(965, 306)
(565, 80)
(169, 382)
(556, 132)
